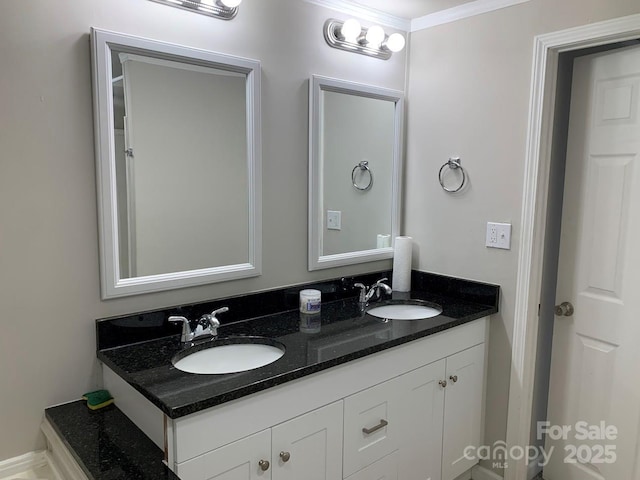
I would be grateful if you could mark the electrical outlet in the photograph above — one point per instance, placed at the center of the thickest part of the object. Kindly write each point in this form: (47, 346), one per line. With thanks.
(498, 235)
(334, 220)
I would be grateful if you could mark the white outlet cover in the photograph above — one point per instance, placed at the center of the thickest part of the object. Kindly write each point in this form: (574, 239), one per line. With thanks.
(498, 235)
(334, 220)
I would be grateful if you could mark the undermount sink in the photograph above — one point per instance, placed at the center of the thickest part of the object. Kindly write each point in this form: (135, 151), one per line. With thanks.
(405, 310)
(230, 355)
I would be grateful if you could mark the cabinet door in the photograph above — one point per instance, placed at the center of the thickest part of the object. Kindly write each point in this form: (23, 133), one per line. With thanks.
(237, 461)
(462, 410)
(309, 447)
(384, 469)
(422, 420)
(371, 425)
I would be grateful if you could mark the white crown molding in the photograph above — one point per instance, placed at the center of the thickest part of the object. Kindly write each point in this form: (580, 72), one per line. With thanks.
(465, 10)
(369, 14)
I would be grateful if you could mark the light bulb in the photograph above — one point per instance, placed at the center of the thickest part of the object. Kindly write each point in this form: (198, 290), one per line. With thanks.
(351, 30)
(231, 3)
(375, 36)
(395, 42)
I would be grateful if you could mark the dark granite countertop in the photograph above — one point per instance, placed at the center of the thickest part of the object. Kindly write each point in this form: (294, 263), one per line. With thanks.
(106, 444)
(341, 334)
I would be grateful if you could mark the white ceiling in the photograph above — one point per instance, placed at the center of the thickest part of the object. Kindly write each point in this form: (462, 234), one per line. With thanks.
(408, 9)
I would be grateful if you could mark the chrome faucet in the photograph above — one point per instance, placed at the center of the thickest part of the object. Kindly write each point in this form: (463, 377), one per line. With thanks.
(373, 291)
(205, 328)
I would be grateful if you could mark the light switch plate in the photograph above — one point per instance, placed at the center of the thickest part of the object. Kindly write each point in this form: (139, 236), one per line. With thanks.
(498, 235)
(334, 220)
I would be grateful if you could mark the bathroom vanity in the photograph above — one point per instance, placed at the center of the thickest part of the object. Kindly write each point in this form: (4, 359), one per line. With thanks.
(359, 398)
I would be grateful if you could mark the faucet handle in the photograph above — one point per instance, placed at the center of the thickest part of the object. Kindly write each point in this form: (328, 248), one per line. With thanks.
(219, 310)
(211, 318)
(385, 279)
(363, 292)
(186, 326)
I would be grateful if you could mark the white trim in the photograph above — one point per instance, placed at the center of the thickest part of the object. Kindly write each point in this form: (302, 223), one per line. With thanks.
(112, 283)
(317, 85)
(465, 10)
(363, 13)
(481, 473)
(63, 464)
(15, 465)
(53, 466)
(536, 185)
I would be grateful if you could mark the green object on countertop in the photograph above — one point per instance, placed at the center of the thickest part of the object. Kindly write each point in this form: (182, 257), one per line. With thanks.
(98, 399)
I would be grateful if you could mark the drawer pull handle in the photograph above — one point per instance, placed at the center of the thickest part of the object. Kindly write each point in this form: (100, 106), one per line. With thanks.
(369, 431)
(264, 465)
(285, 456)
(453, 378)
(442, 383)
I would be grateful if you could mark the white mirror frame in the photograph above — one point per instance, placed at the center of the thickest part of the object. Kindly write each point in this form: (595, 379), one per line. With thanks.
(317, 85)
(112, 285)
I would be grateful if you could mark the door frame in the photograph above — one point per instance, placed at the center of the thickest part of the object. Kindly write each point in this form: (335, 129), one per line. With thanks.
(547, 48)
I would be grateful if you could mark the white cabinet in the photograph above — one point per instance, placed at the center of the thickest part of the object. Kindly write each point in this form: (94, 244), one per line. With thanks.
(384, 469)
(463, 409)
(371, 425)
(239, 460)
(442, 411)
(388, 416)
(422, 421)
(309, 447)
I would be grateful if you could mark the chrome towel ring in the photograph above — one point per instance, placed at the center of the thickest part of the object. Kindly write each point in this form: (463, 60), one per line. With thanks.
(364, 166)
(454, 164)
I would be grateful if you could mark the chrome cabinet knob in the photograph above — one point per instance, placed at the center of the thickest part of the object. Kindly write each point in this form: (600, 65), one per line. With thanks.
(264, 465)
(565, 309)
(285, 456)
(453, 378)
(442, 383)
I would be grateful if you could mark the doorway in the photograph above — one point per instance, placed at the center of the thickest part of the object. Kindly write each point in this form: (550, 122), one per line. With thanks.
(536, 252)
(588, 268)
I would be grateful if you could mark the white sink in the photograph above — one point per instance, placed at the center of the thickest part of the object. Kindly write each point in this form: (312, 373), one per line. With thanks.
(412, 310)
(233, 358)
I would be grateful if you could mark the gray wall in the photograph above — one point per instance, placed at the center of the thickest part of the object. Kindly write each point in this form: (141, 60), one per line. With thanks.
(49, 290)
(468, 94)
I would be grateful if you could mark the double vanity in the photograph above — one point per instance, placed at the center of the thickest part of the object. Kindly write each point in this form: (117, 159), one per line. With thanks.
(389, 388)
(353, 396)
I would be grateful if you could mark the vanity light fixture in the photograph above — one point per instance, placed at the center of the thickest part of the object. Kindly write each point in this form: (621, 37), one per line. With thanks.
(224, 9)
(372, 41)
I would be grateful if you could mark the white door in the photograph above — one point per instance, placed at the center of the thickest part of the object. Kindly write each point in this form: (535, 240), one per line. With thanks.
(309, 447)
(462, 410)
(422, 418)
(246, 459)
(595, 363)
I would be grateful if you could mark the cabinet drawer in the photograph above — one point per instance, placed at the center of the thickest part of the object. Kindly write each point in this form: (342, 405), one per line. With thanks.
(371, 425)
(384, 469)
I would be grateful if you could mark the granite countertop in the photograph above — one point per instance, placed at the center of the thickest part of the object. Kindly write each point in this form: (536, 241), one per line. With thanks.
(339, 334)
(106, 444)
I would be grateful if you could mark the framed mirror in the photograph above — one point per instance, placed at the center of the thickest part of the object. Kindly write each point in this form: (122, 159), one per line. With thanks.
(178, 164)
(355, 168)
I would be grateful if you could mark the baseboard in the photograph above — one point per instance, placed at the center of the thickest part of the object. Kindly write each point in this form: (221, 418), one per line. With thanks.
(481, 473)
(60, 459)
(16, 465)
